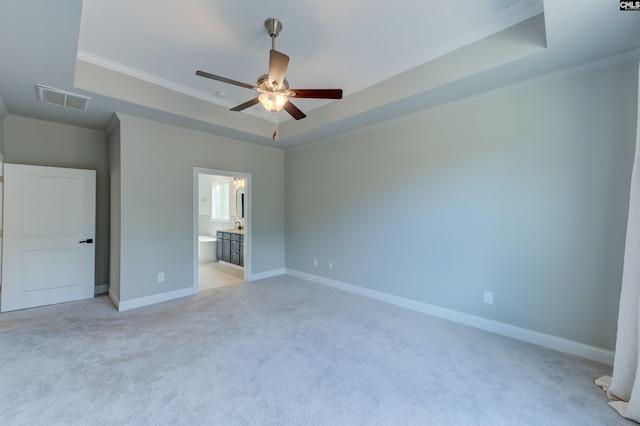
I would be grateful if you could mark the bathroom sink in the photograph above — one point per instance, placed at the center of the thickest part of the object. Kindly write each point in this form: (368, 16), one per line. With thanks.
(234, 231)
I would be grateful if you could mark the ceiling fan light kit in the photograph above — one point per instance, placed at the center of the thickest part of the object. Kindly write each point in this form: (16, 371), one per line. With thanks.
(273, 87)
(273, 102)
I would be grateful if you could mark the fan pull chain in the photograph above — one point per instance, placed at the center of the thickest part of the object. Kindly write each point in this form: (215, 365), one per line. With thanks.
(275, 127)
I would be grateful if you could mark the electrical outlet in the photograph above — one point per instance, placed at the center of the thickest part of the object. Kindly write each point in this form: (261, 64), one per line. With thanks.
(330, 265)
(488, 297)
(315, 262)
(160, 277)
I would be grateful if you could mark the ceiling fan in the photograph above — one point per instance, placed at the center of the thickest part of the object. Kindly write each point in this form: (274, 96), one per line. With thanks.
(273, 87)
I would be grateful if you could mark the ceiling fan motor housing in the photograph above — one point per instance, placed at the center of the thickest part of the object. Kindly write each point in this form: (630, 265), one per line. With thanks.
(264, 85)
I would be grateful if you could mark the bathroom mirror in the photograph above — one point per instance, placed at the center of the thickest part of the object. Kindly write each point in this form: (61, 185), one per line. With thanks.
(240, 202)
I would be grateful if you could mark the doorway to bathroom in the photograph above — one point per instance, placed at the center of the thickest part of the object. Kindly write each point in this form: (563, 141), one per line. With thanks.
(221, 228)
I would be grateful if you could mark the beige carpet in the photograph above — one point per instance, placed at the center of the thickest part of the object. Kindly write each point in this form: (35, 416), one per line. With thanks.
(281, 351)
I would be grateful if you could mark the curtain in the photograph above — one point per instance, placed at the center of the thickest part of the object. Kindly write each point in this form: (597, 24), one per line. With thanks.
(624, 386)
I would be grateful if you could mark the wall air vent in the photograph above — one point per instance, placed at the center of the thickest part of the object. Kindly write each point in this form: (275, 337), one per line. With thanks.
(49, 95)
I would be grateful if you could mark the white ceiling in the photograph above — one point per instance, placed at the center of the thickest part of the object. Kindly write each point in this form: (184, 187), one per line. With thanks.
(390, 58)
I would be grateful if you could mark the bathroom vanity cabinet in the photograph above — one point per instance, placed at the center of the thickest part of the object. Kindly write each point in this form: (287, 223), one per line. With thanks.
(230, 247)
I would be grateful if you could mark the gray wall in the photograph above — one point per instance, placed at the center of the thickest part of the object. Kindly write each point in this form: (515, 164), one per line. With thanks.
(523, 193)
(42, 143)
(113, 134)
(156, 202)
(1, 132)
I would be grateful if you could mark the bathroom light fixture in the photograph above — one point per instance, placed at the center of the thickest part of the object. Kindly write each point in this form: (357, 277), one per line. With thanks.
(272, 101)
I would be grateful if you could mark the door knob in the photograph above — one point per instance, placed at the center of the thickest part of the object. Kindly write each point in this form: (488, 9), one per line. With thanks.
(88, 241)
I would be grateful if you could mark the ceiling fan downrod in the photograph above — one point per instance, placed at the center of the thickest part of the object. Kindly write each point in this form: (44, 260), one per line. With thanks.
(273, 26)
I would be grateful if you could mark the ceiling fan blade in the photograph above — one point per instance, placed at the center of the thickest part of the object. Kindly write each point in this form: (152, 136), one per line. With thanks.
(278, 63)
(245, 105)
(294, 111)
(316, 93)
(224, 80)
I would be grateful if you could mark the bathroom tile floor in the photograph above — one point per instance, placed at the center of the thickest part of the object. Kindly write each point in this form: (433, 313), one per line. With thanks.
(214, 274)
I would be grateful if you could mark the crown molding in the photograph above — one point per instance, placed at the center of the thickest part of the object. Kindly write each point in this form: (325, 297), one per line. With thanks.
(149, 78)
(609, 61)
(620, 58)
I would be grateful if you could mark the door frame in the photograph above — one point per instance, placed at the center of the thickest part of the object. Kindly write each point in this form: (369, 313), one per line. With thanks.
(247, 216)
(1, 214)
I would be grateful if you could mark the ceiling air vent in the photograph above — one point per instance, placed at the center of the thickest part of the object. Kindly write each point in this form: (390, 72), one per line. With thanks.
(49, 95)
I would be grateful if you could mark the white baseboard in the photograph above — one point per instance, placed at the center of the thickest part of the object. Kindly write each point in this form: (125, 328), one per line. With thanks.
(547, 340)
(266, 274)
(150, 300)
(101, 289)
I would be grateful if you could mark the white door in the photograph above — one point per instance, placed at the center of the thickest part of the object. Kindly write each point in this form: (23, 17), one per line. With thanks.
(49, 226)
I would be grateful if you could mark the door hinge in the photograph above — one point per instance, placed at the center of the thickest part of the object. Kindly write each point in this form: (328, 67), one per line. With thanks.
(1, 179)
